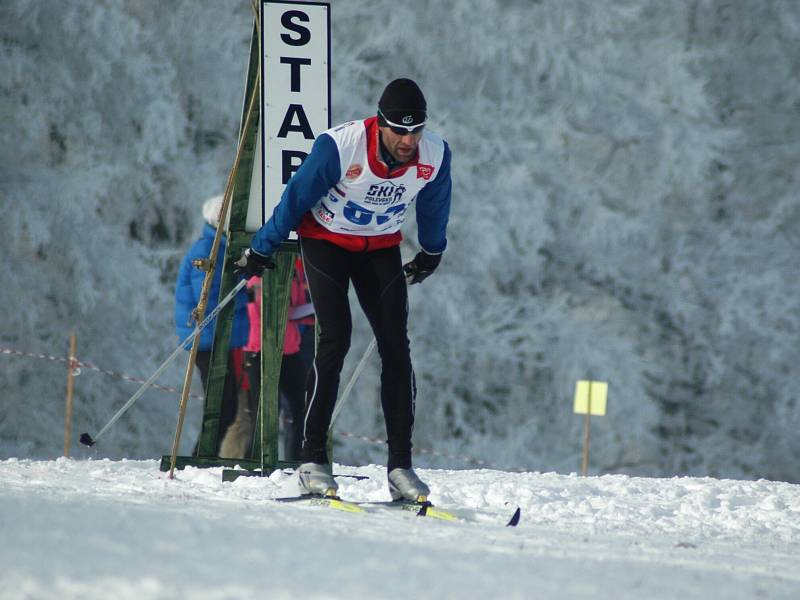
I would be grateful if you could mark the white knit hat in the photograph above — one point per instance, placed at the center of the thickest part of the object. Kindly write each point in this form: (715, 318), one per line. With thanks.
(211, 208)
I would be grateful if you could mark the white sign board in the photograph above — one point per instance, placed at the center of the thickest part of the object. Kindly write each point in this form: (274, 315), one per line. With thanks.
(295, 93)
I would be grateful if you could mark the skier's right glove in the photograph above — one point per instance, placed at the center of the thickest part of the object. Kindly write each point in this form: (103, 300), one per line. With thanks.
(421, 267)
(252, 264)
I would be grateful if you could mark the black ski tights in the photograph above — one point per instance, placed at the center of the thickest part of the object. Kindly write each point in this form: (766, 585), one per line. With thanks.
(379, 283)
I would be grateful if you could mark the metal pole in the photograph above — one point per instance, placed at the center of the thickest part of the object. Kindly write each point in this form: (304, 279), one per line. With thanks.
(88, 440)
(70, 386)
(187, 379)
(353, 378)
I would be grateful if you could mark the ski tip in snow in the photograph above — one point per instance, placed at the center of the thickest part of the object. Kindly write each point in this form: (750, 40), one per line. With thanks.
(514, 521)
(87, 440)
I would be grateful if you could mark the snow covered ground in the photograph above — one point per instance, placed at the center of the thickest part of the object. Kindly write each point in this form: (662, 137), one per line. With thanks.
(121, 529)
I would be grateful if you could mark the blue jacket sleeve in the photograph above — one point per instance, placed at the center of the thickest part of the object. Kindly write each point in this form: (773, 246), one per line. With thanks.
(188, 290)
(319, 172)
(433, 209)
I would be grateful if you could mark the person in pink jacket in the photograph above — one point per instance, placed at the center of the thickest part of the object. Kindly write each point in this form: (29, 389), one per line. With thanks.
(296, 359)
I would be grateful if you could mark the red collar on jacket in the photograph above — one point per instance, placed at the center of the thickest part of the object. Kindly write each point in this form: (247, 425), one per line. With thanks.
(309, 227)
(376, 165)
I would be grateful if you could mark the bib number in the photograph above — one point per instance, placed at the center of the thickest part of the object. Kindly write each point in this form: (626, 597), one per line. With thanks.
(359, 215)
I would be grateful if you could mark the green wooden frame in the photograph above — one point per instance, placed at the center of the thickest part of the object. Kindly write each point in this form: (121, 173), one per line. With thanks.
(276, 288)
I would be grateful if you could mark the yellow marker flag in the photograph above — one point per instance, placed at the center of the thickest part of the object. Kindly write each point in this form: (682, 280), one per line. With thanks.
(594, 391)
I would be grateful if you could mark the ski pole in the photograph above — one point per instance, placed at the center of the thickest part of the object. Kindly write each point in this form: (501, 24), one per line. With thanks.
(359, 367)
(88, 440)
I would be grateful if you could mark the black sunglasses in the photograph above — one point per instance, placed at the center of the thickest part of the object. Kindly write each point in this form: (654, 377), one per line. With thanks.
(398, 129)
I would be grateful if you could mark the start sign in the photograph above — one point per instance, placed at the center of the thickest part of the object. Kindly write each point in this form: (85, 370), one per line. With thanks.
(295, 90)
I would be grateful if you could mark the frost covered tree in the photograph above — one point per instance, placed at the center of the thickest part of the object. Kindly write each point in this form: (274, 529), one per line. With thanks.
(625, 208)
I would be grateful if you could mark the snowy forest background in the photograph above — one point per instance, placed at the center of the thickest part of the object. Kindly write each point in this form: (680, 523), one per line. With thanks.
(625, 208)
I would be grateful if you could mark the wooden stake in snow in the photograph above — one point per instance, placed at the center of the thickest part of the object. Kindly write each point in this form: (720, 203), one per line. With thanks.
(72, 370)
(590, 399)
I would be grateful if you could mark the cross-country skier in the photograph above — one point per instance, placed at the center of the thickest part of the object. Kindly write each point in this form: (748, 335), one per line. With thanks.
(347, 203)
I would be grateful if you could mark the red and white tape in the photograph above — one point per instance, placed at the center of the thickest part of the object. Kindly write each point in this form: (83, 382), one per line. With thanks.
(77, 365)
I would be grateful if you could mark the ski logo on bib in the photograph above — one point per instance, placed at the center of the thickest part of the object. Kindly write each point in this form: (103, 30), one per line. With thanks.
(424, 171)
(353, 171)
(385, 193)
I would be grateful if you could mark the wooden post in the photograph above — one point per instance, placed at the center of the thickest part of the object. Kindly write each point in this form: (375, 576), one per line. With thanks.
(590, 399)
(71, 365)
(276, 288)
(187, 384)
(586, 432)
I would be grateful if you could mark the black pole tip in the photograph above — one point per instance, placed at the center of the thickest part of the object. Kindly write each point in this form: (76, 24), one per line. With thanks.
(87, 440)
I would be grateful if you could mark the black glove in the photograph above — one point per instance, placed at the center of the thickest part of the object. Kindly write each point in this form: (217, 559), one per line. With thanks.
(421, 267)
(252, 264)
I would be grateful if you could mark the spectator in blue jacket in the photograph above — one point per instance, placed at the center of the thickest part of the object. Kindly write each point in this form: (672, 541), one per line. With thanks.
(187, 297)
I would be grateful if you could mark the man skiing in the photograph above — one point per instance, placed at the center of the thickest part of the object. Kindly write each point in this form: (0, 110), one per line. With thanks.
(347, 203)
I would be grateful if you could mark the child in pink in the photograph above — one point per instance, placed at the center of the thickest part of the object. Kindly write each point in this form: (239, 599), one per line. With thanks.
(293, 367)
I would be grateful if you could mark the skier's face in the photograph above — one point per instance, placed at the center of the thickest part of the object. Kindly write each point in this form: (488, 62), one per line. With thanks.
(402, 147)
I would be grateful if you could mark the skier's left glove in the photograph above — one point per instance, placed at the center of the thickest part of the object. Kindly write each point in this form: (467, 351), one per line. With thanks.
(252, 264)
(421, 267)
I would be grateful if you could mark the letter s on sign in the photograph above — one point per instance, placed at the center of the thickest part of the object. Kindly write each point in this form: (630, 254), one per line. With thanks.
(303, 32)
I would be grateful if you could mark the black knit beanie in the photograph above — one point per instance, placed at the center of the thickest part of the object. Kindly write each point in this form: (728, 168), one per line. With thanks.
(402, 102)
